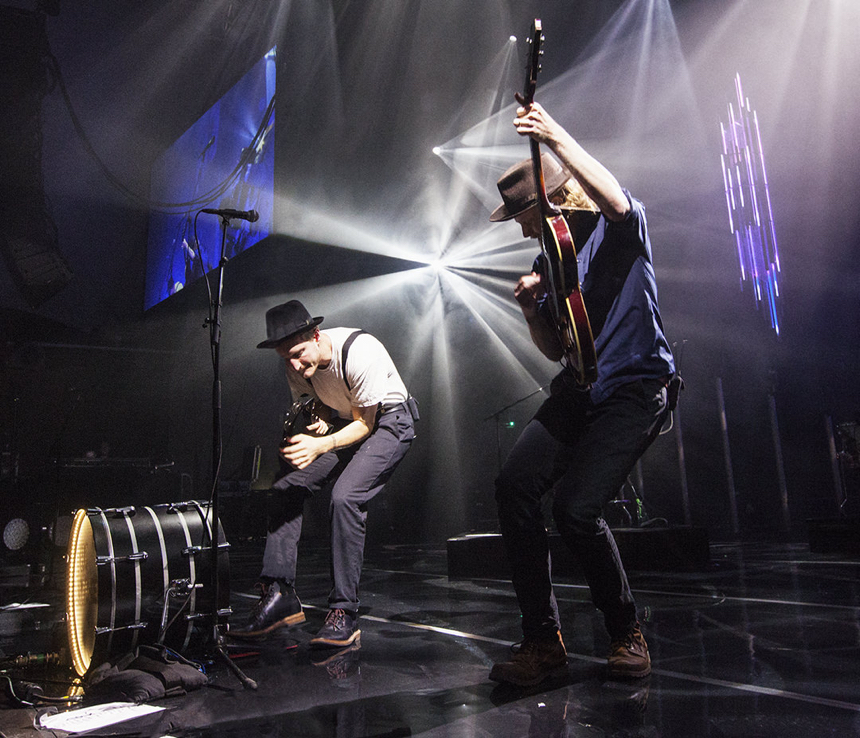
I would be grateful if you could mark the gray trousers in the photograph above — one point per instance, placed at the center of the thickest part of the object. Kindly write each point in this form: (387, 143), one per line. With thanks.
(359, 473)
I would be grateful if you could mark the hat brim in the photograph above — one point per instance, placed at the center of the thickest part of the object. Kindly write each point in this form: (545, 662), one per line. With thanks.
(502, 213)
(273, 342)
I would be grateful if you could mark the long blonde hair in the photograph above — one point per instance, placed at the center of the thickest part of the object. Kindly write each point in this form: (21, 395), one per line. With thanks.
(572, 197)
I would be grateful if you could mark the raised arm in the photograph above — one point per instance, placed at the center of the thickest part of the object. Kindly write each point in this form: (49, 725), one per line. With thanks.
(597, 181)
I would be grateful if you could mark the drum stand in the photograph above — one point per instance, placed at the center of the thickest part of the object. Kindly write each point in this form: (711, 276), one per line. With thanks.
(214, 323)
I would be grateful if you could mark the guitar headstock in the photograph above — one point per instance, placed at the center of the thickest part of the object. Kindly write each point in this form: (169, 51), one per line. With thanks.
(535, 42)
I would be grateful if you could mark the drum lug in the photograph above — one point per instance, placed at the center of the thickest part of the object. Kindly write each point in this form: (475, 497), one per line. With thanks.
(139, 556)
(194, 550)
(222, 613)
(132, 626)
(112, 512)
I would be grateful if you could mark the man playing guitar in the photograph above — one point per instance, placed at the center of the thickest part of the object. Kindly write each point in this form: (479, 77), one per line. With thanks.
(587, 436)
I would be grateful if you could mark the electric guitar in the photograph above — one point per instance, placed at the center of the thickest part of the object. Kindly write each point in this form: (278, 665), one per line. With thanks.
(559, 275)
(304, 412)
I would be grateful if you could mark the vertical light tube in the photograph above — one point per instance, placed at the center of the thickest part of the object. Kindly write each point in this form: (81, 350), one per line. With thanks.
(727, 458)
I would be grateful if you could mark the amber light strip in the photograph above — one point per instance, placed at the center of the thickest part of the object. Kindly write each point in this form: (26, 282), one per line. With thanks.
(74, 594)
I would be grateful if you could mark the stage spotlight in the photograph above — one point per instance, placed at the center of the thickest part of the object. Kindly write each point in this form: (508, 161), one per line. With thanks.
(22, 527)
(16, 533)
(437, 150)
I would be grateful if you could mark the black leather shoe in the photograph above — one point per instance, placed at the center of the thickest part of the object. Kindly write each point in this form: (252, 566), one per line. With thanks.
(340, 629)
(278, 606)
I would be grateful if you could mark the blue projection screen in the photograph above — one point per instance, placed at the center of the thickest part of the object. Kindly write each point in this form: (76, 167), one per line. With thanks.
(224, 160)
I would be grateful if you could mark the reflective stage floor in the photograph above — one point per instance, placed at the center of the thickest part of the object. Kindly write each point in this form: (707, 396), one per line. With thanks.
(765, 642)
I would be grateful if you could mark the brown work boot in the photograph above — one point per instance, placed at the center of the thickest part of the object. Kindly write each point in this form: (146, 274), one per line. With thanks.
(628, 656)
(536, 660)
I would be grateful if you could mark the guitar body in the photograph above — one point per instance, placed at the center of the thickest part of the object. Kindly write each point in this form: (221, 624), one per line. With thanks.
(567, 306)
(304, 412)
(561, 276)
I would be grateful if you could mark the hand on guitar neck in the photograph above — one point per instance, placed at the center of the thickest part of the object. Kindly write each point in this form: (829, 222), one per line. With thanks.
(567, 334)
(598, 182)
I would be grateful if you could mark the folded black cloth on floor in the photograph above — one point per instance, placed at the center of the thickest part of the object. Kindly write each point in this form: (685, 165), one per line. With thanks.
(147, 673)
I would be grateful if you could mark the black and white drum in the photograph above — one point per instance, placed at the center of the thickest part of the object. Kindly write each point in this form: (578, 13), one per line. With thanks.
(139, 575)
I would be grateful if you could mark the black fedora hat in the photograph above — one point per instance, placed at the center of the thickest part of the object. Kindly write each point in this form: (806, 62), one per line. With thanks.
(519, 191)
(285, 321)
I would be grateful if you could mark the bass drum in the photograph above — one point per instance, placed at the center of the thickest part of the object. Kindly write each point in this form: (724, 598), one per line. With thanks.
(142, 575)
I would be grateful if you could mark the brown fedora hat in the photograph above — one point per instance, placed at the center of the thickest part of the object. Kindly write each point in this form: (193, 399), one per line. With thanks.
(519, 191)
(285, 321)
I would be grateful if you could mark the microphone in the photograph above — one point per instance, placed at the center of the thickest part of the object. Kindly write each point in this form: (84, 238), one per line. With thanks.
(252, 216)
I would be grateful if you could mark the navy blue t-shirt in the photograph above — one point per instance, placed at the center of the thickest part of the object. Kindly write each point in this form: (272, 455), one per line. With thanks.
(616, 273)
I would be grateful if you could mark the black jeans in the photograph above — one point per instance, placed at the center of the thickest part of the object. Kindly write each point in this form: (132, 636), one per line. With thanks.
(582, 453)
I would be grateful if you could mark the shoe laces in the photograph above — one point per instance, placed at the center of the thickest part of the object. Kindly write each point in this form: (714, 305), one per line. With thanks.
(263, 588)
(529, 650)
(629, 641)
(336, 618)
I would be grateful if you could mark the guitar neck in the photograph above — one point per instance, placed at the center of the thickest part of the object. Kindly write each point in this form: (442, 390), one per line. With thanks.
(532, 69)
(547, 209)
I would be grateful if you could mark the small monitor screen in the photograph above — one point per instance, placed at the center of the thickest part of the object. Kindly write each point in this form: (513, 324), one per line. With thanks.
(224, 161)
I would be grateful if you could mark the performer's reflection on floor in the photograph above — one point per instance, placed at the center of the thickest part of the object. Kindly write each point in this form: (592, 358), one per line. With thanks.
(627, 703)
(616, 708)
(342, 665)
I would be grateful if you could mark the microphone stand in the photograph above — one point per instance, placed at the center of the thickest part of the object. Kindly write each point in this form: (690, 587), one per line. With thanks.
(497, 416)
(214, 322)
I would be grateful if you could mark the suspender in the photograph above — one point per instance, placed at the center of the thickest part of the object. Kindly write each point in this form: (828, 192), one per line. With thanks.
(411, 403)
(345, 351)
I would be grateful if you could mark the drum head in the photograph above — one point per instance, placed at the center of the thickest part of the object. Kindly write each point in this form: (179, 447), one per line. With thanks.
(82, 592)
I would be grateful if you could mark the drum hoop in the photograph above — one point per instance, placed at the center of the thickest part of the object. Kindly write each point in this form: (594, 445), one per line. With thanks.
(165, 564)
(111, 554)
(138, 589)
